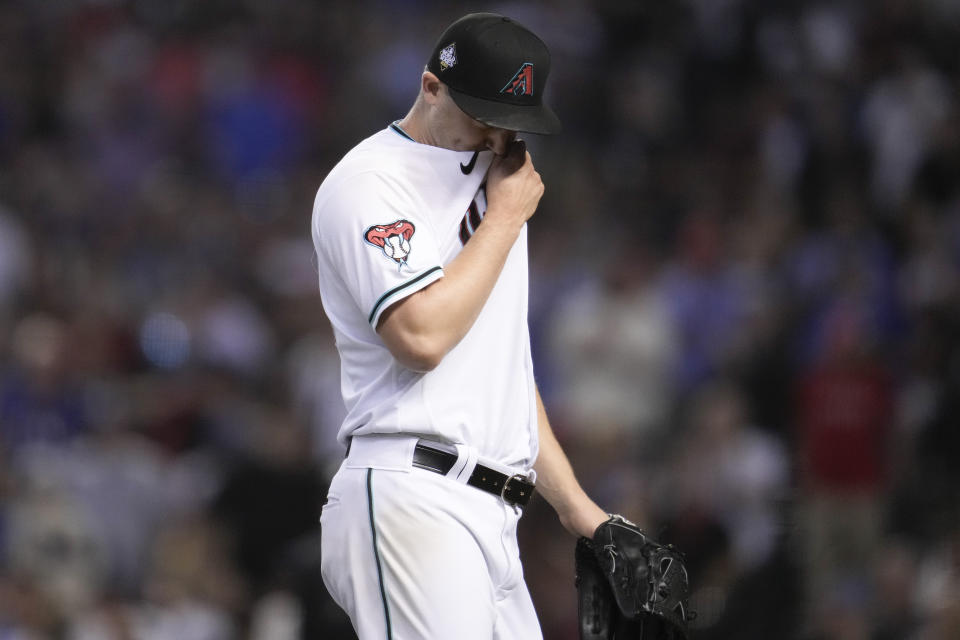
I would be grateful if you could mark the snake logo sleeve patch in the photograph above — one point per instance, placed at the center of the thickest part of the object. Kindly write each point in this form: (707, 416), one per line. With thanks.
(392, 239)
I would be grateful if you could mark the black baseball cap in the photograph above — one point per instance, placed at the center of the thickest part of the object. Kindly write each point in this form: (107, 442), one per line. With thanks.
(496, 71)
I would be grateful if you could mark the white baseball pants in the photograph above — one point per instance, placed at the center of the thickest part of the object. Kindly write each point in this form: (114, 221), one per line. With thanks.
(413, 555)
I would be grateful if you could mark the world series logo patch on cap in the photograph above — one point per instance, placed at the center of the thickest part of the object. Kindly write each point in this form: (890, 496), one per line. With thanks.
(448, 56)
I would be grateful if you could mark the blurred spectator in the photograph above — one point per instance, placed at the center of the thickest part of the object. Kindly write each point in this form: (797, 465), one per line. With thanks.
(901, 112)
(707, 302)
(40, 401)
(722, 494)
(844, 418)
(191, 592)
(614, 346)
(233, 334)
(843, 262)
(271, 495)
(732, 469)
(53, 546)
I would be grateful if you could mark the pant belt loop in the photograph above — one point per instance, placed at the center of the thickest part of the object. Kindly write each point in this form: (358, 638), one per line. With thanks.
(463, 467)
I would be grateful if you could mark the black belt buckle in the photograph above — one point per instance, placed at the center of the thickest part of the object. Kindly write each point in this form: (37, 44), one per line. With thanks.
(506, 487)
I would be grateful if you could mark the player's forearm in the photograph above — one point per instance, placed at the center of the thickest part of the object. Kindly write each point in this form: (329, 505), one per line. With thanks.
(557, 483)
(421, 329)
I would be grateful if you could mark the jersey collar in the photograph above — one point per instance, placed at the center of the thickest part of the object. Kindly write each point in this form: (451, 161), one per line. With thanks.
(395, 126)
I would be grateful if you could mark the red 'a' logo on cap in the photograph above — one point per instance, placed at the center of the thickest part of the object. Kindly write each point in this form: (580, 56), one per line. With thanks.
(521, 84)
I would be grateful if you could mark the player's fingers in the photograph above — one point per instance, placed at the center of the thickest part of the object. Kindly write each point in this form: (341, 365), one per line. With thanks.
(516, 156)
(518, 152)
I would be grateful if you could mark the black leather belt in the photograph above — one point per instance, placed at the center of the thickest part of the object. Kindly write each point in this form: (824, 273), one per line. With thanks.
(514, 490)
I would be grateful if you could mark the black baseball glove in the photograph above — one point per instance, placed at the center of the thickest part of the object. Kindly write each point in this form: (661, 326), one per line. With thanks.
(630, 586)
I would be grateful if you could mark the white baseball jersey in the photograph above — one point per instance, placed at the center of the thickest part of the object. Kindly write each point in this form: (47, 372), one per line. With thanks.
(386, 221)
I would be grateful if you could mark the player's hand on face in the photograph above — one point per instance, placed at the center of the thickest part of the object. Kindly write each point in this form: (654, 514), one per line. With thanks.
(514, 187)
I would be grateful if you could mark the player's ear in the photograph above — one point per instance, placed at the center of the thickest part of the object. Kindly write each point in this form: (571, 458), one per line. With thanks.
(430, 87)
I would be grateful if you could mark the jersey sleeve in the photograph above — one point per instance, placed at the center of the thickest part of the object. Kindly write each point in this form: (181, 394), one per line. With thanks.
(378, 242)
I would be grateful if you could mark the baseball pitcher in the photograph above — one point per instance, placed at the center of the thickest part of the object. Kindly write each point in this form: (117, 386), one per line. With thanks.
(421, 240)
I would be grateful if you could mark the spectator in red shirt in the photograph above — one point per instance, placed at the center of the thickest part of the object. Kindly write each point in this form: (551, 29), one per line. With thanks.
(844, 414)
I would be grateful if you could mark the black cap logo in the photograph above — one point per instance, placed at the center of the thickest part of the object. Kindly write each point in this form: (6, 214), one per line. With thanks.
(521, 84)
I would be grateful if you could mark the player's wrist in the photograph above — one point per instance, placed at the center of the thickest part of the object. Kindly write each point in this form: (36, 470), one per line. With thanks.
(503, 220)
(583, 518)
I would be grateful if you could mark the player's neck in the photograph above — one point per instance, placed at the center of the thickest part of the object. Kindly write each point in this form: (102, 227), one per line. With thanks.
(414, 127)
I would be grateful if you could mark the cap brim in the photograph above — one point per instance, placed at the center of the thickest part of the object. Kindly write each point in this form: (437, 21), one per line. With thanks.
(537, 118)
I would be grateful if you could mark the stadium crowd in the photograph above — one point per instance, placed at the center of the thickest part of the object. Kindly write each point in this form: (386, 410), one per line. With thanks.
(745, 305)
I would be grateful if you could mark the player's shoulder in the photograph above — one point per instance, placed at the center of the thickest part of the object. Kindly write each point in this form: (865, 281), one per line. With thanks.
(375, 160)
(380, 148)
(368, 178)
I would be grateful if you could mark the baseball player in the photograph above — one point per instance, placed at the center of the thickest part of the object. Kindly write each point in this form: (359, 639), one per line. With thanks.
(421, 241)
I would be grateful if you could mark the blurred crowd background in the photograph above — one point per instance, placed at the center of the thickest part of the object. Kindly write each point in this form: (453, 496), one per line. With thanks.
(745, 304)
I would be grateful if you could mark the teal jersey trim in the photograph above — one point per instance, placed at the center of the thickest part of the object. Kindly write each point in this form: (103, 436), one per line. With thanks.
(397, 289)
(376, 554)
(397, 129)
